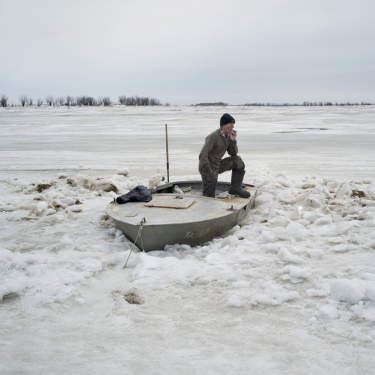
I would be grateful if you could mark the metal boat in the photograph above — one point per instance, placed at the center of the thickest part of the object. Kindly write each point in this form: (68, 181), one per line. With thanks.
(171, 218)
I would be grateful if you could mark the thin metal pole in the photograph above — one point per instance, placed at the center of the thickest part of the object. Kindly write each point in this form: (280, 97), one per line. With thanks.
(166, 144)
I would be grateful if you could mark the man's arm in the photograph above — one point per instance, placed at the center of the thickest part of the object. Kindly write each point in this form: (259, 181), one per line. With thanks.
(204, 162)
(232, 148)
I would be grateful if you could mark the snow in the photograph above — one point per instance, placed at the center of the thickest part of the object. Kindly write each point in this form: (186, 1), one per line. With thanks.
(351, 291)
(289, 290)
(123, 171)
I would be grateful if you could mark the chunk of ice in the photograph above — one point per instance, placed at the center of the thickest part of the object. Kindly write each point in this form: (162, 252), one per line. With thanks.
(123, 172)
(351, 291)
(329, 311)
(294, 229)
(286, 256)
(268, 236)
(235, 301)
(344, 190)
(313, 253)
(281, 222)
(323, 221)
(297, 213)
(316, 293)
(302, 273)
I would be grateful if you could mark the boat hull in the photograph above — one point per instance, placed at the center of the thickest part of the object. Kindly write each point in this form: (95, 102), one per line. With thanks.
(156, 237)
(149, 236)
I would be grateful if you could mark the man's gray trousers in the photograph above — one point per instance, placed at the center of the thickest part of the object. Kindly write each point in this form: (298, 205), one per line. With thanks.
(209, 176)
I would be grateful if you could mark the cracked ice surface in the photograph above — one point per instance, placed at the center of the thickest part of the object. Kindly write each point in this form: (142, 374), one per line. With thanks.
(290, 290)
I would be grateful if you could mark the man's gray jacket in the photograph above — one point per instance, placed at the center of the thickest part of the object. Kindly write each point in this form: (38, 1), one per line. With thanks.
(214, 149)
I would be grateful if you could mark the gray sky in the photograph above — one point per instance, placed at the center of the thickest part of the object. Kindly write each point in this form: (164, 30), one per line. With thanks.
(185, 52)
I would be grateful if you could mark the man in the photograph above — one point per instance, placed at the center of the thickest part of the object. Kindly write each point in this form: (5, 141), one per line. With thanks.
(211, 162)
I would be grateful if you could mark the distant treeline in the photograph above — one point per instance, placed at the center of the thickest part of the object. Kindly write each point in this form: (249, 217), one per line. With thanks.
(320, 104)
(138, 100)
(218, 104)
(306, 104)
(89, 101)
(81, 101)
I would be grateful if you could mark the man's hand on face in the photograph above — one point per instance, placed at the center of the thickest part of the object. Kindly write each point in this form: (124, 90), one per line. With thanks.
(228, 130)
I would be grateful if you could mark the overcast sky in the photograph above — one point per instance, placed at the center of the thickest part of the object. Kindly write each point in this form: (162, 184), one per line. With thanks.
(185, 52)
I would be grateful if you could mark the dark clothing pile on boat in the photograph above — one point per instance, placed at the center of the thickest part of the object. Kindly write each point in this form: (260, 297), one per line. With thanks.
(139, 193)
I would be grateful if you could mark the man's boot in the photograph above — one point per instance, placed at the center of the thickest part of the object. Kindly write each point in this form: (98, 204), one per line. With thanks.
(236, 184)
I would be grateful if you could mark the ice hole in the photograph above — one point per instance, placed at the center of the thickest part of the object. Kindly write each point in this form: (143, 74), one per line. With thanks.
(133, 299)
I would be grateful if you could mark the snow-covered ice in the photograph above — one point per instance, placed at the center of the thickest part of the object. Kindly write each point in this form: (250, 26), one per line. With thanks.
(290, 290)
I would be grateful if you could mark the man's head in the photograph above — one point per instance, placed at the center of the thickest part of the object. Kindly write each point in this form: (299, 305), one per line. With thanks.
(227, 123)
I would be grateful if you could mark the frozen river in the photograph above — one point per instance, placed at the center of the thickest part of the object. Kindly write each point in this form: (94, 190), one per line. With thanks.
(298, 140)
(289, 291)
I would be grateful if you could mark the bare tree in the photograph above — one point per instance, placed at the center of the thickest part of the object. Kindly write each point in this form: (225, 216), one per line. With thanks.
(154, 101)
(30, 101)
(130, 101)
(4, 101)
(69, 100)
(100, 101)
(144, 101)
(40, 102)
(91, 101)
(107, 101)
(138, 100)
(49, 100)
(24, 100)
(86, 101)
(61, 100)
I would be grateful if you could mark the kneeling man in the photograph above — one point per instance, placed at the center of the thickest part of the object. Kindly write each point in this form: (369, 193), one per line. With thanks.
(211, 162)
